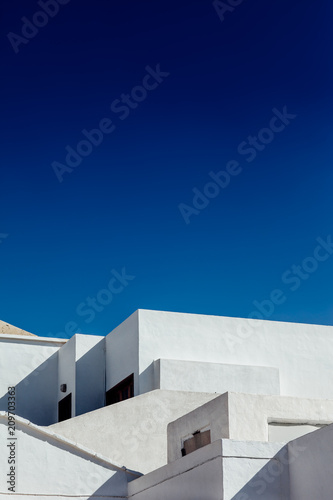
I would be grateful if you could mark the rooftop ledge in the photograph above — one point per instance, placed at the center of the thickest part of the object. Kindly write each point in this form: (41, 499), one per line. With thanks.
(32, 339)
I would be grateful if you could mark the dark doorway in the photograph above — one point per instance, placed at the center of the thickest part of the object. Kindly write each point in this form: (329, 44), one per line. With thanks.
(120, 392)
(65, 408)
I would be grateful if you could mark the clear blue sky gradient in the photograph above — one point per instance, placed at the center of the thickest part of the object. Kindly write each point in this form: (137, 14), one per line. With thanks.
(120, 207)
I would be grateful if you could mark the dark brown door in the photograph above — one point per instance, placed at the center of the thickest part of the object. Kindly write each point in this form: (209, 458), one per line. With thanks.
(120, 392)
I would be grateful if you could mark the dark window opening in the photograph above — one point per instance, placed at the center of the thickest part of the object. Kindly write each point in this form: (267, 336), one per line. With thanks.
(198, 440)
(65, 408)
(120, 392)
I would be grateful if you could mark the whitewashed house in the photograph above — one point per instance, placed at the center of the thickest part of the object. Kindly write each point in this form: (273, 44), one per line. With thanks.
(169, 406)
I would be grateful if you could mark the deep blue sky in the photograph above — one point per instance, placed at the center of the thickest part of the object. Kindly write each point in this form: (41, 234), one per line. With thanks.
(120, 207)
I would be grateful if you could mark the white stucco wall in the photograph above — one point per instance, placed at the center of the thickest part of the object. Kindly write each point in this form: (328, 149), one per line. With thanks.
(264, 410)
(195, 477)
(67, 373)
(279, 433)
(302, 353)
(311, 468)
(49, 466)
(122, 353)
(172, 374)
(223, 470)
(133, 432)
(30, 364)
(90, 372)
(81, 366)
(248, 417)
(255, 470)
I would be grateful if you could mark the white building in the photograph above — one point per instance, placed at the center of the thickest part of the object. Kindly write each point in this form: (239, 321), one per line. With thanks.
(169, 406)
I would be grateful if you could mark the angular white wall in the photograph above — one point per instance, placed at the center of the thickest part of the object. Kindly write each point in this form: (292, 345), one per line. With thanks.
(302, 353)
(122, 353)
(66, 373)
(81, 366)
(250, 418)
(311, 466)
(90, 373)
(133, 432)
(223, 470)
(49, 466)
(170, 374)
(30, 364)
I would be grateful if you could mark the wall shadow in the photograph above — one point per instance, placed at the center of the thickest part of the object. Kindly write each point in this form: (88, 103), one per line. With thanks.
(37, 394)
(272, 482)
(90, 379)
(114, 486)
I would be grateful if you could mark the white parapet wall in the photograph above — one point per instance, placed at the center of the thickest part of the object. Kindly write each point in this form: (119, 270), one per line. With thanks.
(197, 376)
(223, 470)
(301, 353)
(133, 432)
(47, 465)
(250, 417)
